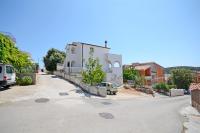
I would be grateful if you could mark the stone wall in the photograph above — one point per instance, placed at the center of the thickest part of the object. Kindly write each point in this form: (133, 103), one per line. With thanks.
(195, 95)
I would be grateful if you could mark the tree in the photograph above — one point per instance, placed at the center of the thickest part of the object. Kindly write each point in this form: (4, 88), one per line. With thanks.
(134, 75)
(182, 78)
(93, 73)
(53, 57)
(130, 74)
(10, 54)
(139, 81)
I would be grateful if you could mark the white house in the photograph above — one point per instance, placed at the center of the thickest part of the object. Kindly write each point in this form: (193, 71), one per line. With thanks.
(77, 55)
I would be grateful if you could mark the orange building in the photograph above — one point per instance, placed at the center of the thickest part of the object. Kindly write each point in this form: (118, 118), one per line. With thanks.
(151, 71)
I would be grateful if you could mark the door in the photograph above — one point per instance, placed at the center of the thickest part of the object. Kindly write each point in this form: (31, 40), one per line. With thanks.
(10, 75)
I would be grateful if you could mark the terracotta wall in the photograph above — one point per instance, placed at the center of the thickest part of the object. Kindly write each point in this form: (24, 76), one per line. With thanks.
(160, 74)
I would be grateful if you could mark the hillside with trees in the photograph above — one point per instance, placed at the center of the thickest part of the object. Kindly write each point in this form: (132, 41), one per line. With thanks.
(168, 69)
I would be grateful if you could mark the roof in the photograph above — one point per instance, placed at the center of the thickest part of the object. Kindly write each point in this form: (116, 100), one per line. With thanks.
(74, 43)
(195, 86)
(147, 63)
(142, 67)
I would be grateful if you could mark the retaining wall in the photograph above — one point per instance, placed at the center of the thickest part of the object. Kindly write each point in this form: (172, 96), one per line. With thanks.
(90, 89)
(195, 95)
(176, 92)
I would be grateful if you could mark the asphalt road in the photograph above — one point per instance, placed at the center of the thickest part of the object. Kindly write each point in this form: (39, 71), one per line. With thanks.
(84, 114)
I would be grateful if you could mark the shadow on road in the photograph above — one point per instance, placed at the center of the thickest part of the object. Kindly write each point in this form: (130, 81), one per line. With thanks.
(54, 76)
(78, 90)
(4, 88)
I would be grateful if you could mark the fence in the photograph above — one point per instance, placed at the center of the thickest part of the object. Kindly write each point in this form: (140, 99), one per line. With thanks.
(195, 95)
(90, 89)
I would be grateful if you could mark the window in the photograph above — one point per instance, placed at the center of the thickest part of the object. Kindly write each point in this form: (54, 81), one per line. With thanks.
(103, 84)
(73, 50)
(116, 64)
(0, 69)
(91, 50)
(68, 64)
(9, 69)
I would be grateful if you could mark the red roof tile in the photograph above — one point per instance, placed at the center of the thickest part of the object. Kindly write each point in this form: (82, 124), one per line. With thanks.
(195, 86)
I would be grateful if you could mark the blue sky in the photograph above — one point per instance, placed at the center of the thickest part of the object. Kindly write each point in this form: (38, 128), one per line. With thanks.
(164, 31)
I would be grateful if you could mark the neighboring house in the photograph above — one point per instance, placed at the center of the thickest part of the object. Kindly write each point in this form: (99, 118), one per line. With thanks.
(151, 71)
(77, 55)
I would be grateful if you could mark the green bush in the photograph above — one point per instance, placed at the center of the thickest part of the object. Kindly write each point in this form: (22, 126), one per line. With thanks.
(172, 86)
(161, 86)
(26, 80)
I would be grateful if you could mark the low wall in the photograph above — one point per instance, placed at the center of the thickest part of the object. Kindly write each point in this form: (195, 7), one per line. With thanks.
(176, 92)
(195, 95)
(32, 75)
(90, 89)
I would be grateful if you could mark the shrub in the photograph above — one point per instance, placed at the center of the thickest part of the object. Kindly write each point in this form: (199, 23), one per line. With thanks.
(172, 86)
(26, 80)
(182, 78)
(161, 86)
(93, 74)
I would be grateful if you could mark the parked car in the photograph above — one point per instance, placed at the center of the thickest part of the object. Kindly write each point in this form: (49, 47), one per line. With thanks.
(7, 75)
(111, 88)
(187, 91)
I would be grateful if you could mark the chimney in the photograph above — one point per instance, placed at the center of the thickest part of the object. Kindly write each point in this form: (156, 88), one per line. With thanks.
(105, 44)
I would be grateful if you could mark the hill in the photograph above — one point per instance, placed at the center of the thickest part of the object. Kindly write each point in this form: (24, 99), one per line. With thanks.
(168, 69)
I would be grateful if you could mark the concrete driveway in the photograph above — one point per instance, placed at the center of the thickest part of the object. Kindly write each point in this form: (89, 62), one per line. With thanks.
(56, 106)
(48, 86)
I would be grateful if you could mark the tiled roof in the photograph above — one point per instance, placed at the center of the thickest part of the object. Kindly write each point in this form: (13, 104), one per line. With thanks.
(147, 63)
(195, 86)
(143, 67)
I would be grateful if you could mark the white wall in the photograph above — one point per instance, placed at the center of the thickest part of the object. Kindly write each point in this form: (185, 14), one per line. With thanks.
(116, 74)
(99, 53)
(113, 76)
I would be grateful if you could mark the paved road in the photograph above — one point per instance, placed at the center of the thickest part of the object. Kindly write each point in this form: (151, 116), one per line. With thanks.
(79, 113)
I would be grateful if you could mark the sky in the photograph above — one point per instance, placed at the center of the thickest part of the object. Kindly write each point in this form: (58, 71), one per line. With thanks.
(163, 31)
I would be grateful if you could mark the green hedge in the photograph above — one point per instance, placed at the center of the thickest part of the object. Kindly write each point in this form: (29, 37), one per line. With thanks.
(172, 86)
(26, 80)
(163, 86)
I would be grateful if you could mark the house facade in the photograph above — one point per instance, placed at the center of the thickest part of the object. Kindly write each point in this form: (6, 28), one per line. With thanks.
(78, 53)
(151, 71)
